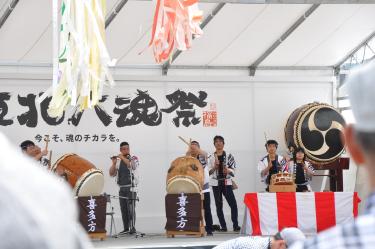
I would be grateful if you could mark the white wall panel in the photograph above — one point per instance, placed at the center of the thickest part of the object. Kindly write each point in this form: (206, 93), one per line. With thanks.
(245, 111)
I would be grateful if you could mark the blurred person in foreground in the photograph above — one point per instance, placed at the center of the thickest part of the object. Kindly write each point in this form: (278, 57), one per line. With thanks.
(37, 211)
(360, 141)
(280, 240)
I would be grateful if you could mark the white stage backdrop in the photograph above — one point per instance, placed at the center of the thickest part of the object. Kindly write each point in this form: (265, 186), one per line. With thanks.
(145, 114)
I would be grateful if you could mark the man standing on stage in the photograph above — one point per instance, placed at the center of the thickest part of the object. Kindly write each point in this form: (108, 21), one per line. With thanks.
(222, 168)
(28, 147)
(271, 164)
(196, 152)
(124, 167)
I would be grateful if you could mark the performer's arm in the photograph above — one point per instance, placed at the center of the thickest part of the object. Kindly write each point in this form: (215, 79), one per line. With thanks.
(188, 152)
(134, 162)
(125, 160)
(214, 164)
(229, 171)
(42, 153)
(263, 169)
(290, 167)
(231, 165)
(308, 169)
(113, 168)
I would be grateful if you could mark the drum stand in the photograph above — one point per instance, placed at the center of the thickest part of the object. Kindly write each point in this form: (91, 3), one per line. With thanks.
(111, 213)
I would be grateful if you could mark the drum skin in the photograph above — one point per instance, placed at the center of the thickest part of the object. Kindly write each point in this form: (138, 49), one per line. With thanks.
(316, 127)
(82, 175)
(188, 168)
(182, 184)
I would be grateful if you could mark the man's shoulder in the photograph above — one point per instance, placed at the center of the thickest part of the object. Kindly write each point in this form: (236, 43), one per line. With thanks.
(244, 242)
(357, 234)
(228, 153)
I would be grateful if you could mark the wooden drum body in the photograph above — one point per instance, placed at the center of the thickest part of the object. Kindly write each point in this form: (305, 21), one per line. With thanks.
(317, 128)
(185, 176)
(82, 175)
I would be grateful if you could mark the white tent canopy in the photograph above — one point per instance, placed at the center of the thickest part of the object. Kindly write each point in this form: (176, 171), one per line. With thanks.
(239, 35)
(293, 50)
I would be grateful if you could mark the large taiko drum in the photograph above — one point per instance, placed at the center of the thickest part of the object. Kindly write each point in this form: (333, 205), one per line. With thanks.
(185, 176)
(82, 175)
(317, 128)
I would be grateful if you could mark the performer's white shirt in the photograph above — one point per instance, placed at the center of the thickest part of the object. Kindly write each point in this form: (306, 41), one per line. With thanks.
(230, 163)
(263, 163)
(203, 159)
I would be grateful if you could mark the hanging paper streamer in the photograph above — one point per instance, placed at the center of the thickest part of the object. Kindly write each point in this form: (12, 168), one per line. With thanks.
(83, 62)
(175, 23)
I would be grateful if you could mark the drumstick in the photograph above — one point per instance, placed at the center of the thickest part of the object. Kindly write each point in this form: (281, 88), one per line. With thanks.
(183, 140)
(265, 137)
(49, 159)
(46, 139)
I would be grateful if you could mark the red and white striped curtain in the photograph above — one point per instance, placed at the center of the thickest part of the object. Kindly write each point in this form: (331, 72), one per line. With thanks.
(268, 213)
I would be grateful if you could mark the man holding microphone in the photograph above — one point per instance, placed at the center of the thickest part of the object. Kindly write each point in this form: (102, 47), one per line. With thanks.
(123, 166)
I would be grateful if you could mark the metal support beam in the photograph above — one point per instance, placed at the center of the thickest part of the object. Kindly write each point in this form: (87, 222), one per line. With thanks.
(208, 19)
(8, 11)
(344, 108)
(342, 98)
(114, 13)
(355, 50)
(178, 67)
(290, 1)
(284, 36)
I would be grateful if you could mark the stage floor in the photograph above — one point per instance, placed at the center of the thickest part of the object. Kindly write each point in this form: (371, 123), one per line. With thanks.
(161, 241)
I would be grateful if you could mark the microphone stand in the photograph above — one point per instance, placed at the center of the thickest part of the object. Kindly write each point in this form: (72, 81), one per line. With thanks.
(109, 196)
(134, 197)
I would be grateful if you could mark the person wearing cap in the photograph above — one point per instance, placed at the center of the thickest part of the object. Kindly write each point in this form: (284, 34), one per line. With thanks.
(281, 240)
(29, 148)
(301, 170)
(196, 152)
(272, 163)
(360, 142)
(222, 167)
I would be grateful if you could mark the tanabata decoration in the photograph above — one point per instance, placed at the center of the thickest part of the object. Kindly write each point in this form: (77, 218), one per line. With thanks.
(81, 67)
(175, 23)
